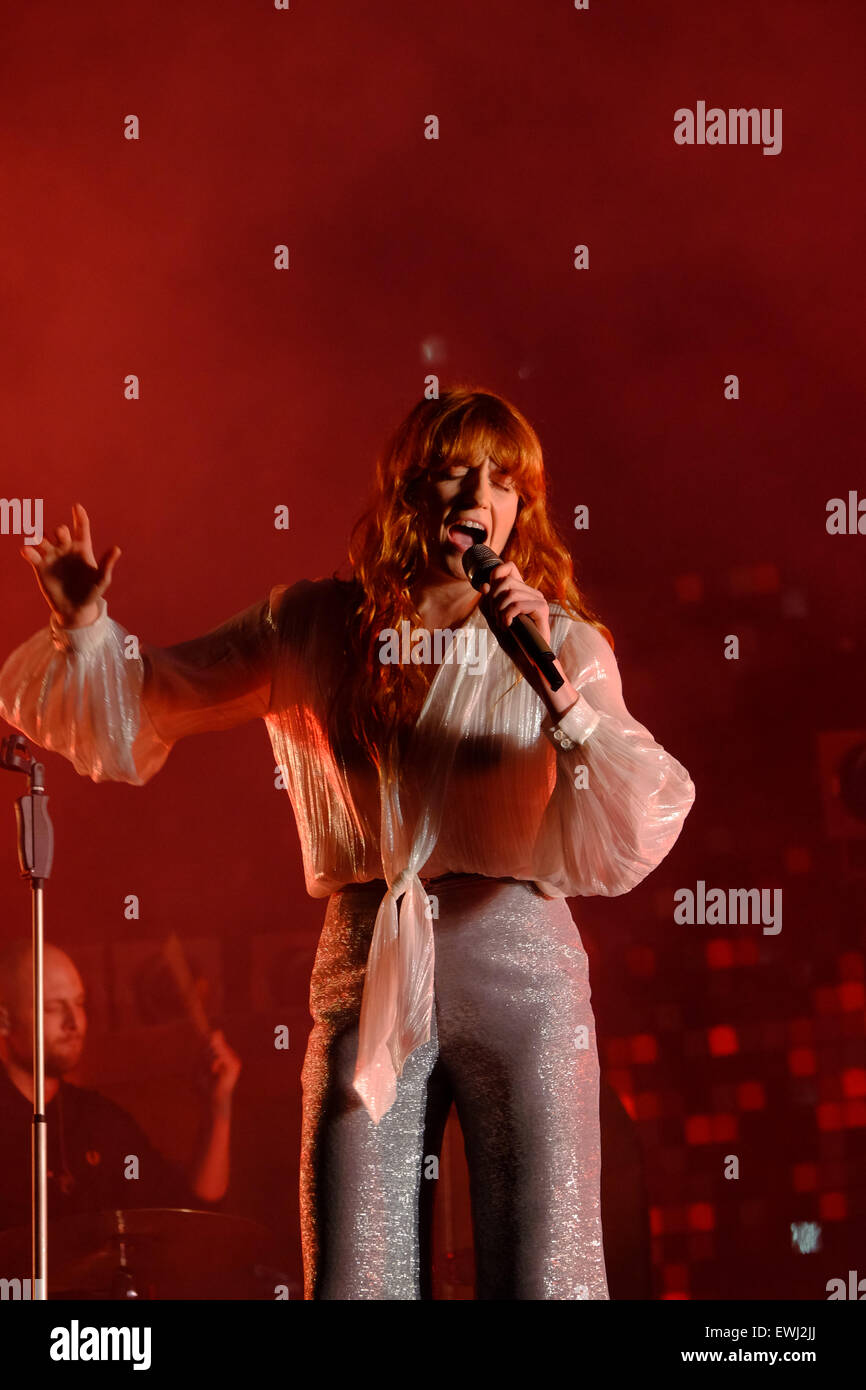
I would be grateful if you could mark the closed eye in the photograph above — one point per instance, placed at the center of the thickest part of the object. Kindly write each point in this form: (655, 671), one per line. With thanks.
(457, 471)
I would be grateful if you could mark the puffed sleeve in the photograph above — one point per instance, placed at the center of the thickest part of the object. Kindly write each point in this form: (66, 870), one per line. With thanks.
(619, 799)
(114, 707)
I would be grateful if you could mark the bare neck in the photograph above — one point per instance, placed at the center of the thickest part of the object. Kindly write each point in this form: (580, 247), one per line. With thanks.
(444, 601)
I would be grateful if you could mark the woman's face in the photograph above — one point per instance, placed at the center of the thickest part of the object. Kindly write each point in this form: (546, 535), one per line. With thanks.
(451, 500)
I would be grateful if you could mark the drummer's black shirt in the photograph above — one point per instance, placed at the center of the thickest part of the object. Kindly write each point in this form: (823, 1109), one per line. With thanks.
(89, 1141)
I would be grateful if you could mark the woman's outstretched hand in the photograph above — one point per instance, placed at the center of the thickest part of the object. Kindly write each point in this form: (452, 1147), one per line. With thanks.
(67, 572)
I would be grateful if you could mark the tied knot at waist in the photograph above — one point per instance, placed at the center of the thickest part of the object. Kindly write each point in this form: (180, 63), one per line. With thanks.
(402, 881)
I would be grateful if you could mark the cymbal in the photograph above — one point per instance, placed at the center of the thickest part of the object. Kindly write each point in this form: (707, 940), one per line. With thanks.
(154, 1252)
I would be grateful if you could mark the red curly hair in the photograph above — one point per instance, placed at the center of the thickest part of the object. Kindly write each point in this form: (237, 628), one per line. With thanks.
(388, 548)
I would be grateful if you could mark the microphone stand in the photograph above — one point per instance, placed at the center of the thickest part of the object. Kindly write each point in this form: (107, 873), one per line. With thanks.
(35, 855)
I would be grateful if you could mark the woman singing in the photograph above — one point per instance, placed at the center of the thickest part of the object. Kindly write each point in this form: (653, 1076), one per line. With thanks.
(447, 804)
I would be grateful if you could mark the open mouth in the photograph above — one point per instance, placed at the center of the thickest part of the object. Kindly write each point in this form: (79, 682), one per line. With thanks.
(466, 533)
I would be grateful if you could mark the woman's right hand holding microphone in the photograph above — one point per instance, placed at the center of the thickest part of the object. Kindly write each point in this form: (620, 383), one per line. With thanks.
(67, 572)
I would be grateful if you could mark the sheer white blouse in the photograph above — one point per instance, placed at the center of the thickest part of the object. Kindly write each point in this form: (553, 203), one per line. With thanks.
(488, 784)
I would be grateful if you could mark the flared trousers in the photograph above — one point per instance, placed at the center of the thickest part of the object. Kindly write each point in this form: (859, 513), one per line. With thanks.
(513, 1046)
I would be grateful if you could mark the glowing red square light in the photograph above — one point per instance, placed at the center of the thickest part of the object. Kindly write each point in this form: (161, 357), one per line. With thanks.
(719, 954)
(698, 1129)
(702, 1217)
(852, 995)
(751, 1096)
(644, 1048)
(801, 1061)
(722, 1041)
(833, 1206)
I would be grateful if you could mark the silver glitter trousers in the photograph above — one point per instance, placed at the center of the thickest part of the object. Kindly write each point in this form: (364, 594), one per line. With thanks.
(513, 1046)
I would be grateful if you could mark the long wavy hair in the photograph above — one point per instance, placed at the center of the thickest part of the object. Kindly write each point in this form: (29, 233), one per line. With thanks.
(388, 550)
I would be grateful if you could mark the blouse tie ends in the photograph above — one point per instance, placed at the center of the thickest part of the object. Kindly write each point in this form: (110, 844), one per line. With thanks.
(397, 1005)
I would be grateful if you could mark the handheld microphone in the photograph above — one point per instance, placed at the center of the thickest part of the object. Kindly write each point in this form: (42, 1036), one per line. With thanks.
(478, 562)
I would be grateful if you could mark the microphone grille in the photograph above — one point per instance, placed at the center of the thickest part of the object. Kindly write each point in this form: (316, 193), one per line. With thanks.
(478, 560)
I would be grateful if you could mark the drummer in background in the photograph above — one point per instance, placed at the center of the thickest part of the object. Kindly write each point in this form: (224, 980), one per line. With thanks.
(90, 1138)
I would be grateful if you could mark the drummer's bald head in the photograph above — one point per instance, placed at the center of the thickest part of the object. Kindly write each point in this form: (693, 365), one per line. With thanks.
(16, 969)
(65, 1016)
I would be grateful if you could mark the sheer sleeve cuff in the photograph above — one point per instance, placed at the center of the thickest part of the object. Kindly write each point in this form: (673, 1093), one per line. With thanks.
(81, 639)
(573, 727)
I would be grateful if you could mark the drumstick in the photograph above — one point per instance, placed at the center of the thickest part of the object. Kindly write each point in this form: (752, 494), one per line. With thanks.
(179, 966)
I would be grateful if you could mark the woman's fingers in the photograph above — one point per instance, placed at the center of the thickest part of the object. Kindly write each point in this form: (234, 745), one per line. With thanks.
(507, 589)
(505, 577)
(511, 596)
(522, 605)
(82, 523)
(64, 537)
(44, 551)
(107, 563)
(82, 532)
